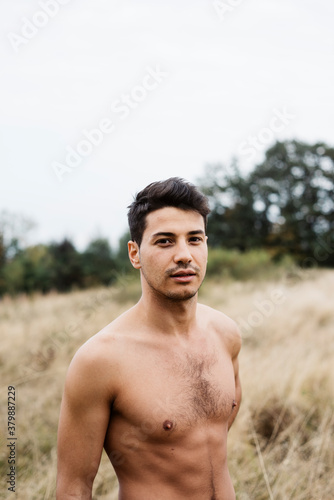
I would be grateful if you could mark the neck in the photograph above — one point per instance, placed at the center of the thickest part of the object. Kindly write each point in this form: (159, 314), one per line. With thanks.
(172, 317)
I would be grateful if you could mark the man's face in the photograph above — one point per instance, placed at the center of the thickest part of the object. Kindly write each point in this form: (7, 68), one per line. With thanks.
(173, 253)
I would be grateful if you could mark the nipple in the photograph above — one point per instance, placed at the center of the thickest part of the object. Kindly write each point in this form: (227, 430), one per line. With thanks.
(167, 425)
(234, 404)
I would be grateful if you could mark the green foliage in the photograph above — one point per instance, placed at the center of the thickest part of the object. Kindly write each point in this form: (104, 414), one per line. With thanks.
(98, 263)
(239, 265)
(58, 266)
(286, 204)
(282, 210)
(31, 269)
(123, 264)
(13, 229)
(13, 276)
(294, 187)
(61, 267)
(233, 213)
(67, 266)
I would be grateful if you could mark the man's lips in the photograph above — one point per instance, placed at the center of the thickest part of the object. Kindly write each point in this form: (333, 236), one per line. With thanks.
(183, 273)
(183, 276)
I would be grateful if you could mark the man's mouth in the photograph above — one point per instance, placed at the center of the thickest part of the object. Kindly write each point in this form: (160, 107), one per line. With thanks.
(183, 273)
(183, 276)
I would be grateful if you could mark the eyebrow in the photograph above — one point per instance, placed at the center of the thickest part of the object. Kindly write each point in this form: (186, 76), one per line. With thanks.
(163, 233)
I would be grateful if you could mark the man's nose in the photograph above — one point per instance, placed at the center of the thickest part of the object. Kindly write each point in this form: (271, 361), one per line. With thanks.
(182, 253)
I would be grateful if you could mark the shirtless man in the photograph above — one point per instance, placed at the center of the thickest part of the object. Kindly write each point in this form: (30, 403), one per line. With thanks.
(158, 388)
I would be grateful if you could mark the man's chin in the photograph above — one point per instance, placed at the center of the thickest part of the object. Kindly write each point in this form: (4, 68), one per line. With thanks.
(181, 296)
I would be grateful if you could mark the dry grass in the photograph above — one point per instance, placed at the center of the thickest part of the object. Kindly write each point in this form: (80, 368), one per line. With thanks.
(281, 445)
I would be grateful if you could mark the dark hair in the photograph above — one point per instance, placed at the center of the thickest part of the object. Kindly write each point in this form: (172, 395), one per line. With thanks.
(173, 192)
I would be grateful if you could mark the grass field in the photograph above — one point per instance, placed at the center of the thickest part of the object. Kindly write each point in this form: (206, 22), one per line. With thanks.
(281, 446)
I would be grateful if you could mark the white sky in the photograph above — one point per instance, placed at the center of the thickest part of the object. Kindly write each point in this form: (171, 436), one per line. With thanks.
(225, 79)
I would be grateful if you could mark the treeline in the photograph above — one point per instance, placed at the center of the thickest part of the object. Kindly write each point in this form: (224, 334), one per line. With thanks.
(60, 266)
(284, 206)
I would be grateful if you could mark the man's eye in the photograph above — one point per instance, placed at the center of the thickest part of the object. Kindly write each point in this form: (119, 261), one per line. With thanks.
(196, 239)
(163, 241)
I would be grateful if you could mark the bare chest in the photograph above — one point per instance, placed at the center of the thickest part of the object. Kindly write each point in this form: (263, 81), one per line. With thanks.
(172, 393)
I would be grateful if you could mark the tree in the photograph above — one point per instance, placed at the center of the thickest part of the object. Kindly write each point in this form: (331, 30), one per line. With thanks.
(29, 270)
(285, 204)
(122, 257)
(2, 264)
(13, 231)
(67, 266)
(234, 221)
(98, 263)
(294, 189)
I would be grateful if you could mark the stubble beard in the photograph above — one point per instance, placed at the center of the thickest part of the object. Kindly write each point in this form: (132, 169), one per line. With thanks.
(177, 297)
(180, 296)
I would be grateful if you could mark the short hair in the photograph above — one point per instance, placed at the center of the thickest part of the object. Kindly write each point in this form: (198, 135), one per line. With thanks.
(173, 192)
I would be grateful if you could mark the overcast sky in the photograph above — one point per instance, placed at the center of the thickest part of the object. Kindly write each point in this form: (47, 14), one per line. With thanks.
(171, 85)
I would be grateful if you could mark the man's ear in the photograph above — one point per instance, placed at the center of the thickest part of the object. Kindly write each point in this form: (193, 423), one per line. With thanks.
(133, 250)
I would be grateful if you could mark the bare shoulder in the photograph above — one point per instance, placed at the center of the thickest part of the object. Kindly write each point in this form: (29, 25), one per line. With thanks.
(98, 359)
(224, 326)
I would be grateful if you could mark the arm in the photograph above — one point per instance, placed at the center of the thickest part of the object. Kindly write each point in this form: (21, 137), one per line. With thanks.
(83, 422)
(237, 392)
(235, 349)
(231, 339)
